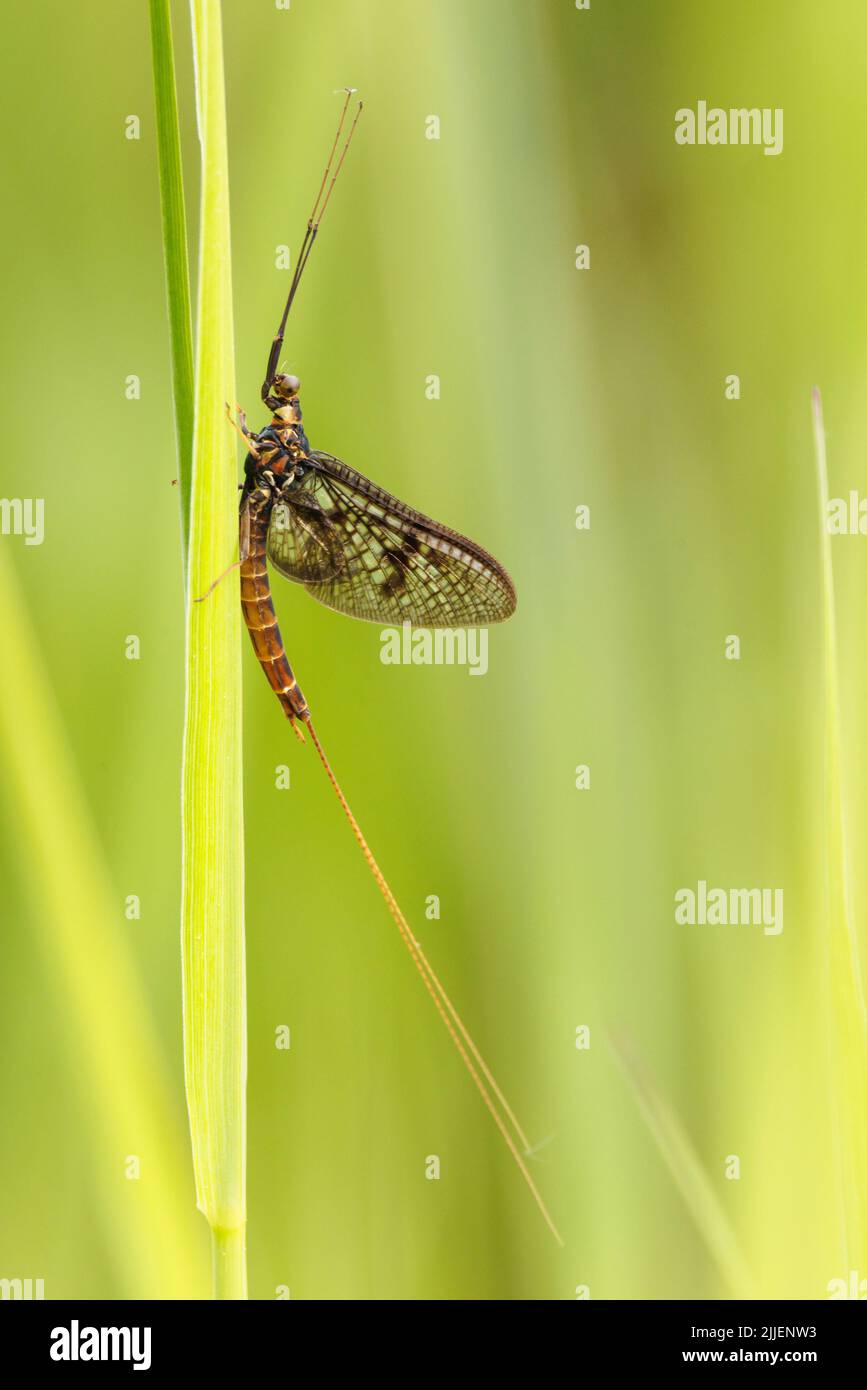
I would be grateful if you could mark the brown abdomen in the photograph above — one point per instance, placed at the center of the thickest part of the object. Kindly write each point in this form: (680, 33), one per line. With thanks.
(258, 609)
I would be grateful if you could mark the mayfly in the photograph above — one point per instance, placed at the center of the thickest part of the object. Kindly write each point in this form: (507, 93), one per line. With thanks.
(361, 551)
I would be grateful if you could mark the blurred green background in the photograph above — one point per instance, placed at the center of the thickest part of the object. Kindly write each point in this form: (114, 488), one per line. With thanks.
(559, 387)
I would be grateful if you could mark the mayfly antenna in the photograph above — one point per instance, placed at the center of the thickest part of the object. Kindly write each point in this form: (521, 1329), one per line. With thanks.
(313, 224)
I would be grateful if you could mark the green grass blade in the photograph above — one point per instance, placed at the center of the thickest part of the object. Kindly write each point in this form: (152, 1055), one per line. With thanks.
(847, 1016)
(689, 1174)
(213, 863)
(174, 251)
(115, 1055)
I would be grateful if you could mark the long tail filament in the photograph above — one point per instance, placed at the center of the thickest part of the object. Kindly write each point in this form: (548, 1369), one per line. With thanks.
(446, 1010)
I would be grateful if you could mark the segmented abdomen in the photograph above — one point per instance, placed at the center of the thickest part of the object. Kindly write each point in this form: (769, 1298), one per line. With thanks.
(258, 609)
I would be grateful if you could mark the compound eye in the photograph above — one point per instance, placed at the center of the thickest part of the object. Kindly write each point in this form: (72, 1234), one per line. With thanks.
(292, 384)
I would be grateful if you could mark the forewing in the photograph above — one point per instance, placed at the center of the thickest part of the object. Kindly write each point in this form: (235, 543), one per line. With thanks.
(387, 563)
(303, 543)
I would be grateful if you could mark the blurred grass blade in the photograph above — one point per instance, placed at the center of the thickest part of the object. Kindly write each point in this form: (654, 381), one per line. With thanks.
(847, 1022)
(175, 251)
(213, 864)
(689, 1173)
(114, 1053)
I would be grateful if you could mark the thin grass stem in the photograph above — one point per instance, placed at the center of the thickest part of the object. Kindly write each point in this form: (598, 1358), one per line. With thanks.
(214, 987)
(114, 1051)
(174, 221)
(847, 1018)
(688, 1171)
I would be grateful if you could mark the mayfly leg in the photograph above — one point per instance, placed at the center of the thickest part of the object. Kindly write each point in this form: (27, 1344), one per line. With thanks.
(243, 552)
(241, 426)
(244, 537)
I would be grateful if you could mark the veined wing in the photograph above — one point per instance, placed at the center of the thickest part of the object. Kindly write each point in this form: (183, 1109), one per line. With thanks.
(361, 551)
(303, 542)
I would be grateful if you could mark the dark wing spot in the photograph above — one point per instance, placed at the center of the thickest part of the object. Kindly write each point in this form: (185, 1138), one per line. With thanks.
(397, 555)
(396, 581)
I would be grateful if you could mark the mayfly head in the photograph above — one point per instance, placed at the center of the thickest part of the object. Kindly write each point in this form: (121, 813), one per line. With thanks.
(285, 388)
